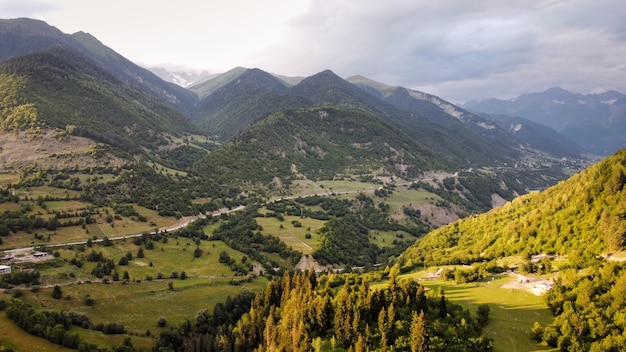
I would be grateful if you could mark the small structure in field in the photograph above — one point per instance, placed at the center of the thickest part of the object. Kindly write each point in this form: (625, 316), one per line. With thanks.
(5, 269)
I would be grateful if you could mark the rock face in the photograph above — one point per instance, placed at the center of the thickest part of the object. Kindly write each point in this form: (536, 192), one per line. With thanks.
(308, 262)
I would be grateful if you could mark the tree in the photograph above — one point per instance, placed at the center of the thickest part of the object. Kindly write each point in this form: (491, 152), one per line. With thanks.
(89, 301)
(57, 293)
(443, 308)
(418, 332)
(161, 322)
(224, 257)
(140, 252)
(483, 314)
(197, 252)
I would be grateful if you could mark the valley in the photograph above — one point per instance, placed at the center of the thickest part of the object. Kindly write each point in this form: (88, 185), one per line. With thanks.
(254, 211)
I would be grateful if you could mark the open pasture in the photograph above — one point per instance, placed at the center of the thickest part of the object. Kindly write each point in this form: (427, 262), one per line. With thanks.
(512, 311)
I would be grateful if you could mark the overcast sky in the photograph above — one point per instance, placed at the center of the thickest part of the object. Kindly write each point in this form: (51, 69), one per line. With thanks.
(456, 49)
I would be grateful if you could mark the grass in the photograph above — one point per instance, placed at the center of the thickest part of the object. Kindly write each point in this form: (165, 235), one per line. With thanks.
(123, 227)
(310, 188)
(512, 312)
(34, 192)
(7, 179)
(138, 305)
(294, 237)
(402, 196)
(13, 337)
(173, 256)
(385, 238)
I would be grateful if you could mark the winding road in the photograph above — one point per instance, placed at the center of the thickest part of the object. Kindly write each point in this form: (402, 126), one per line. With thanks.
(25, 252)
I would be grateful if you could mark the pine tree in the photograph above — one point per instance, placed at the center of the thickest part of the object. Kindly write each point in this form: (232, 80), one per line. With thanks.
(343, 317)
(418, 333)
(443, 309)
(57, 292)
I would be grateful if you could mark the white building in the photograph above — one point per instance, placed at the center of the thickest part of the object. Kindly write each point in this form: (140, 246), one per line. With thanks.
(5, 269)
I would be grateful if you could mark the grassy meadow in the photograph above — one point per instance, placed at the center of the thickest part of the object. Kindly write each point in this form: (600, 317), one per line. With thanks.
(138, 303)
(512, 311)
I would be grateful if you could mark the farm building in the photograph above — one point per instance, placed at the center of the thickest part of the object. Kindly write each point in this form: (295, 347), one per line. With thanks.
(5, 269)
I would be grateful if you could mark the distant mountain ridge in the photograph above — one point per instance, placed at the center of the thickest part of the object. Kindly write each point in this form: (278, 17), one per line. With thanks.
(24, 36)
(597, 122)
(229, 105)
(181, 76)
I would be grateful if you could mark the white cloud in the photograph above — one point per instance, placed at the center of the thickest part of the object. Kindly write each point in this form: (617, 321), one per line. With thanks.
(457, 49)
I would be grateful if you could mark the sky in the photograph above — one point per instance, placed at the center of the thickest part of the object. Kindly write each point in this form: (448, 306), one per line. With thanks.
(459, 50)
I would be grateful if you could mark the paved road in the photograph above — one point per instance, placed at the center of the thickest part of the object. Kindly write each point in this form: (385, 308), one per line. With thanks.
(182, 222)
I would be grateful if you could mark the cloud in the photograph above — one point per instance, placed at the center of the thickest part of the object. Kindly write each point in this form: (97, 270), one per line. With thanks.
(25, 8)
(462, 50)
(457, 49)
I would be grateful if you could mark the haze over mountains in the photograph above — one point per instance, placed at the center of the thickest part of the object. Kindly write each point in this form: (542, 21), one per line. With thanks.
(597, 122)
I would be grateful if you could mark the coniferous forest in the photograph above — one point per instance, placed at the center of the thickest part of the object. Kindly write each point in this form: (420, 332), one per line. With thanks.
(303, 312)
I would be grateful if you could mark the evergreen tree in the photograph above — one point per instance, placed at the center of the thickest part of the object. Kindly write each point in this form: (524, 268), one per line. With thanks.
(418, 333)
(57, 293)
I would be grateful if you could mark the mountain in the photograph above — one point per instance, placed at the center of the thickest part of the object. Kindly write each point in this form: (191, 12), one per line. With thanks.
(584, 214)
(24, 36)
(207, 87)
(58, 87)
(235, 105)
(452, 117)
(537, 136)
(318, 143)
(597, 122)
(181, 76)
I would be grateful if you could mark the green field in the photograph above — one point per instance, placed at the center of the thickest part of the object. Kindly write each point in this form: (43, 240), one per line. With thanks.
(13, 337)
(402, 196)
(122, 227)
(293, 236)
(138, 303)
(512, 311)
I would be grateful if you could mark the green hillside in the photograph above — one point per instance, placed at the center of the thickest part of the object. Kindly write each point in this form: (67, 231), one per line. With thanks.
(318, 143)
(584, 214)
(58, 88)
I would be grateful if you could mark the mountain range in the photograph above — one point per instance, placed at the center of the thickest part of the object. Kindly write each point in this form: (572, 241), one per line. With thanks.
(597, 122)
(75, 80)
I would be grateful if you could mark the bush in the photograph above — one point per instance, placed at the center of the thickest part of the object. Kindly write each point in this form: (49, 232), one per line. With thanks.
(161, 322)
(89, 301)
(57, 293)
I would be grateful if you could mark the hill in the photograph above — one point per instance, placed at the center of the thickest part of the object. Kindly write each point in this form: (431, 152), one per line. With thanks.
(244, 99)
(318, 143)
(538, 136)
(452, 117)
(595, 121)
(253, 95)
(58, 88)
(24, 36)
(582, 215)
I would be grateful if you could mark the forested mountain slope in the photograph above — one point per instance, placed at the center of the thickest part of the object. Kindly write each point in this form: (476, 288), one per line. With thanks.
(584, 214)
(318, 143)
(23, 36)
(57, 88)
(452, 117)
